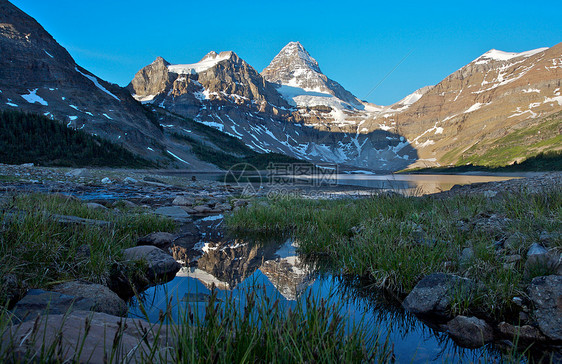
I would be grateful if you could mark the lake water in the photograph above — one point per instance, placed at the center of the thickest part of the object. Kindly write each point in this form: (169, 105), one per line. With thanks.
(410, 184)
(273, 268)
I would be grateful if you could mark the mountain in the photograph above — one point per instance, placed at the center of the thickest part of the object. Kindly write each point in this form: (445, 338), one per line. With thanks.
(473, 111)
(226, 93)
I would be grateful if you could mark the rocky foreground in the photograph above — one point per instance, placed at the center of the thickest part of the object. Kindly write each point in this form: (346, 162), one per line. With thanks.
(99, 308)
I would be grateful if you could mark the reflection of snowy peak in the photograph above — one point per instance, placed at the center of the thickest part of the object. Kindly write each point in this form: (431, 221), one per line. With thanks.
(287, 273)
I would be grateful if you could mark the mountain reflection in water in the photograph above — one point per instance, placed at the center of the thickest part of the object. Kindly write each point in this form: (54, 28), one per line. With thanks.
(272, 267)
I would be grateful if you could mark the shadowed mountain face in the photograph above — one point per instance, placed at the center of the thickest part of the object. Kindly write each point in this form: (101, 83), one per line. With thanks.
(38, 75)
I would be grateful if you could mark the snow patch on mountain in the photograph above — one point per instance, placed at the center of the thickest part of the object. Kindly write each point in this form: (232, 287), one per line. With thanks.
(32, 98)
(97, 83)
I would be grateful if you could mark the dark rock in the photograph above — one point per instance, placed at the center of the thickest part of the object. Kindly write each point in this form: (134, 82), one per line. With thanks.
(38, 301)
(104, 299)
(83, 252)
(127, 279)
(11, 290)
(546, 295)
(158, 239)
(74, 220)
(470, 332)
(161, 266)
(525, 332)
(434, 293)
(543, 264)
(95, 206)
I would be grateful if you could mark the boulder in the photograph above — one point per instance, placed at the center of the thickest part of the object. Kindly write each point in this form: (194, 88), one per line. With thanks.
(95, 206)
(104, 299)
(106, 181)
(183, 201)
(536, 249)
(470, 332)
(26, 342)
(129, 180)
(433, 295)
(158, 239)
(161, 266)
(127, 280)
(545, 294)
(544, 263)
(37, 302)
(525, 332)
(174, 212)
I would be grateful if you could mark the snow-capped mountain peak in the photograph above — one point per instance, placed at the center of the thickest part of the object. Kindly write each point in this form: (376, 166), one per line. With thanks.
(497, 55)
(210, 60)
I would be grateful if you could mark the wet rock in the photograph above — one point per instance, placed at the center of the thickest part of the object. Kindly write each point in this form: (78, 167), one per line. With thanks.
(103, 298)
(38, 301)
(173, 212)
(161, 266)
(158, 239)
(470, 332)
(525, 332)
(129, 180)
(106, 181)
(433, 294)
(95, 206)
(18, 340)
(546, 295)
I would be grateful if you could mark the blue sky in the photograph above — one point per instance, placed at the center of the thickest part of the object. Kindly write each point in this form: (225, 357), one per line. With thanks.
(356, 43)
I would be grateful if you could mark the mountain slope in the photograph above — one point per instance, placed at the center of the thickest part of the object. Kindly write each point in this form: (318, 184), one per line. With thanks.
(39, 75)
(492, 97)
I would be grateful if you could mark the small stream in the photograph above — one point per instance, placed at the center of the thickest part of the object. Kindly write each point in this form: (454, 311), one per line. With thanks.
(273, 267)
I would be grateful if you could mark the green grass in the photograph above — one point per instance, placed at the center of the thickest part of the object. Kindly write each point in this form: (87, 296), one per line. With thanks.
(394, 241)
(262, 330)
(543, 137)
(40, 252)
